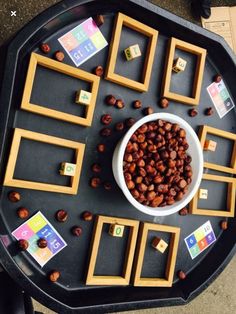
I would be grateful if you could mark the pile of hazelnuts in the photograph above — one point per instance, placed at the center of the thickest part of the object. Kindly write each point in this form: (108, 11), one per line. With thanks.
(156, 165)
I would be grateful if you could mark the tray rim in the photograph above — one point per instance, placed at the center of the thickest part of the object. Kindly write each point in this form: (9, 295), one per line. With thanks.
(11, 51)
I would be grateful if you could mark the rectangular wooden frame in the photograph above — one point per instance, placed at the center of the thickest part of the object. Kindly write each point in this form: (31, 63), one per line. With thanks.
(35, 60)
(112, 280)
(204, 130)
(230, 198)
(18, 135)
(150, 53)
(197, 84)
(139, 257)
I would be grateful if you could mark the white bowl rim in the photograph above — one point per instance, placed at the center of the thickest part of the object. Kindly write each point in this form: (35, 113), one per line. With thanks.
(158, 211)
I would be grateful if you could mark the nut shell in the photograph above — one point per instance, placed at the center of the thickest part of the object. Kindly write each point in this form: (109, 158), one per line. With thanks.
(54, 275)
(61, 215)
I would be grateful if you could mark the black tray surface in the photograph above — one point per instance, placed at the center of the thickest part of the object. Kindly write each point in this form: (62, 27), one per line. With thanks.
(35, 160)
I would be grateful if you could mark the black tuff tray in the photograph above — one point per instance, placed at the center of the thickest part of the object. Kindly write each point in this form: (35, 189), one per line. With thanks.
(70, 293)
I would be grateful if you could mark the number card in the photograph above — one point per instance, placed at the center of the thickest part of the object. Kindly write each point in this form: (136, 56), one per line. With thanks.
(220, 98)
(200, 239)
(39, 227)
(83, 41)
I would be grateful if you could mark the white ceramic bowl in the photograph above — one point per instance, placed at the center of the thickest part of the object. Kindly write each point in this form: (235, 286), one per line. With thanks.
(194, 150)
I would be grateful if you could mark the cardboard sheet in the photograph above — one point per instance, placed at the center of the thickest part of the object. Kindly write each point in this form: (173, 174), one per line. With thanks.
(223, 22)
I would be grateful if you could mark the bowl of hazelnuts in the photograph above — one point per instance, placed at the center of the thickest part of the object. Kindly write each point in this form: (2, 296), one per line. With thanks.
(158, 164)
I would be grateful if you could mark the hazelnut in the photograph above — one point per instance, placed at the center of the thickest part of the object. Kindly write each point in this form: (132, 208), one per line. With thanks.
(164, 103)
(182, 133)
(101, 148)
(98, 70)
(217, 78)
(192, 112)
(137, 104)
(87, 216)
(142, 187)
(119, 104)
(135, 193)
(110, 100)
(119, 126)
(45, 48)
(95, 182)
(128, 157)
(130, 185)
(61, 215)
(96, 168)
(23, 212)
(173, 154)
(175, 127)
(23, 244)
(14, 196)
(107, 185)
(76, 231)
(179, 196)
(183, 211)
(128, 176)
(148, 110)
(59, 56)
(129, 122)
(151, 195)
(105, 132)
(106, 119)
(224, 224)
(140, 163)
(182, 184)
(42, 243)
(188, 160)
(181, 275)
(54, 276)
(99, 19)
(142, 129)
(157, 201)
(209, 111)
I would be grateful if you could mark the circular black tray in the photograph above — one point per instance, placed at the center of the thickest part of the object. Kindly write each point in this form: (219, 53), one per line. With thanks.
(70, 293)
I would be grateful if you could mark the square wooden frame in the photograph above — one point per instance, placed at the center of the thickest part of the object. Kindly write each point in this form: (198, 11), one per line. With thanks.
(9, 175)
(150, 53)
(230, 198)
(204, 130)
(197, 83)
(37, 59)
(112, 280)
(139, 257)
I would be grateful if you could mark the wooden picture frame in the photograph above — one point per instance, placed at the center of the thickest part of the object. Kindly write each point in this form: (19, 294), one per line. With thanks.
(9, 175)
(112, 280)
(204, 130)
(124, 20)
(37, 59)
(175, 43)
(139, 257)
(229, 212)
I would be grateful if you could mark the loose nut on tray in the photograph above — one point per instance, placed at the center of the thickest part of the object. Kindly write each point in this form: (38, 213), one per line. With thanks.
(156, 167)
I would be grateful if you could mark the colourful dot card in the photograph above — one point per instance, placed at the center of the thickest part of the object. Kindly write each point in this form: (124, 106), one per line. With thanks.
(83, 41)
(200, 239)
(39, 227)
(220, 98)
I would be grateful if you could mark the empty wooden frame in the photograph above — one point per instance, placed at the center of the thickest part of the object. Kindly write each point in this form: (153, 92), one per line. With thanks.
(20, 134)
(35, 60)
(197, 83)
(124, 20)
(133, 233)
(230, 207)
(204, 130)
(139, 257)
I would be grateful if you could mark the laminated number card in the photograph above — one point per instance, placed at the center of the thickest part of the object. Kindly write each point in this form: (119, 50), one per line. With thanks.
(83, 41)
(39, 227)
